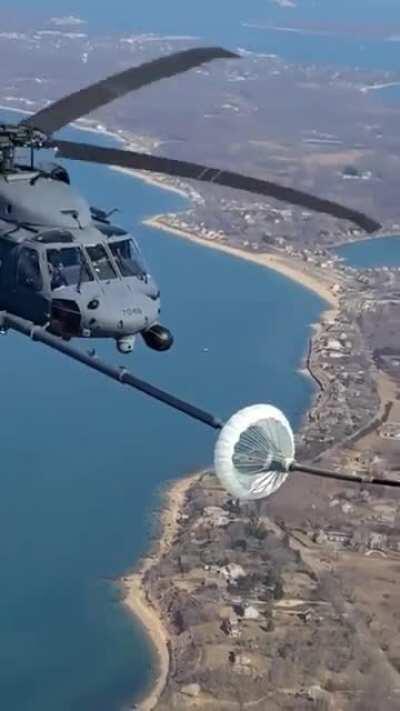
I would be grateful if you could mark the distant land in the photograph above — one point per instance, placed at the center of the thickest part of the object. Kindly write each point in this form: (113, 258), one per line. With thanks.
(303, 125)
(290, 604)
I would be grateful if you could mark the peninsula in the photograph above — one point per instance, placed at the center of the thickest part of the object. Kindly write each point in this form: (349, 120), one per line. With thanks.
(291, 603)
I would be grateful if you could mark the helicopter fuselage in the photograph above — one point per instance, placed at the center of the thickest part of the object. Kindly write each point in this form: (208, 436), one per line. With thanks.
(63, 264)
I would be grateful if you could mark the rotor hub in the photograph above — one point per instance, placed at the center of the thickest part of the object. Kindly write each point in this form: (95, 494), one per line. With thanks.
(19, 136)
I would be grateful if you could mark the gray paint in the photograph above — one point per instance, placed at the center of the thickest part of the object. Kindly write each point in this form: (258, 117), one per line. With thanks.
(31, 204)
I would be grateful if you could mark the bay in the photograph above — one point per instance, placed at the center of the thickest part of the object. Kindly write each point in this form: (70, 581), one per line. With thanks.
(83, 460)
(380, 252)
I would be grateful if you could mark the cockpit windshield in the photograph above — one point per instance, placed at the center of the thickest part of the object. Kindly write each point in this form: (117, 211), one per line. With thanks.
(67, 267)
(128, 258)
(101, 263)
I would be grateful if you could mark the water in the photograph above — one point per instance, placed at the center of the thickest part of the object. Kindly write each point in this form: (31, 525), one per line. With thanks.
(382, 252)
(83, 459)
(346, 32)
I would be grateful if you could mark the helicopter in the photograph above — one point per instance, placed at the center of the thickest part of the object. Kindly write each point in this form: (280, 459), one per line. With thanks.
(67, 271)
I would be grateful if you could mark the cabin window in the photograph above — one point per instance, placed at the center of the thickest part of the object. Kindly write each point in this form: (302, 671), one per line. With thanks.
(128, 258)
(28, 270)
(67, 266)
(101, 262)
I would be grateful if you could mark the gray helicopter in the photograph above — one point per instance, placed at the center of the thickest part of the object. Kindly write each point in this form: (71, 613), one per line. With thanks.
(67, 271)
(67, 267)
(64, 265)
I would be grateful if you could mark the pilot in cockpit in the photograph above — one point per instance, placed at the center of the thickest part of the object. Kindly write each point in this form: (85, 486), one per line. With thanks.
(56, 269)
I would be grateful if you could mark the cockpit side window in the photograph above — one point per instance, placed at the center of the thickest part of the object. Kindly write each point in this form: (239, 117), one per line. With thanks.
(101, 263)
(67, 267)
(5, 249)
(128, 258)
(28, 270)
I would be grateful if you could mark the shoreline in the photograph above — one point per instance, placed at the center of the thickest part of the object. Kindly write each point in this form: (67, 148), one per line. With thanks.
(90, 127)
(79, 124)
(136, 597)
(276, 262)
(145, 178)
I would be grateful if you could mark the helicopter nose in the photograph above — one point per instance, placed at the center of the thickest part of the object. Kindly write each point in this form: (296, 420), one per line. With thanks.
(116, 318)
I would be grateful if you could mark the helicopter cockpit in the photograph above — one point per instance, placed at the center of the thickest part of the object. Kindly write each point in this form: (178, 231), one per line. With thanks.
(128, 258)
(67, 266)
(83, 283)
(75, 265)
(54, 260)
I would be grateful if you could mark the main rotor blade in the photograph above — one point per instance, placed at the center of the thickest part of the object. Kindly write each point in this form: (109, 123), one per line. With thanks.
(183, 169)
(82, 102)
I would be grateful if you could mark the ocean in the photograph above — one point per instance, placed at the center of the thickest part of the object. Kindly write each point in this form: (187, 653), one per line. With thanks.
(84, 460)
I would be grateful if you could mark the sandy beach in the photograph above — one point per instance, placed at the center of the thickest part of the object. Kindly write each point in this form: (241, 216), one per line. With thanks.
(280, 263)
(147, 178)
(137, 598)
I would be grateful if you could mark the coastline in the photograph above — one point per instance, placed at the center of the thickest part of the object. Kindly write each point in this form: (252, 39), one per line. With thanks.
(146, 178)
(91, 127)
(276, 262)
(81, 124)
(279, 263)
(137, 598)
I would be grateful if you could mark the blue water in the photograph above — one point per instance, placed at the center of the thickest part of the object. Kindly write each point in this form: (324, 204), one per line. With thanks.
(357, 30)
(82, 459)
(382, 252)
